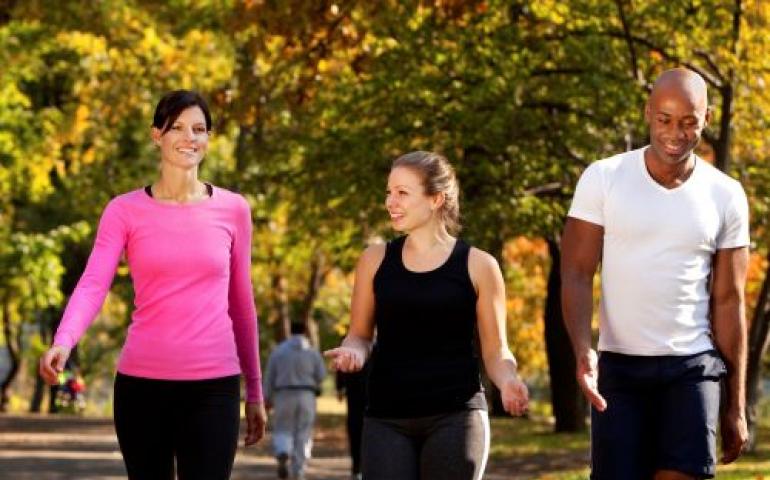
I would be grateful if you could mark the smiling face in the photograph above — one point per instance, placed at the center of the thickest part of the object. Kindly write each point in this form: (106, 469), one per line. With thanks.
(185, 143)
(408, 205)
(677, 113)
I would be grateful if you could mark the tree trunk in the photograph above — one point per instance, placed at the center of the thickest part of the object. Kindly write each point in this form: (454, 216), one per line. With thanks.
(52, 391)
(569, 405)
(759, 338)
(13, 353)
(317, 274)
(723, 142)
(493, 395)
(36, 402)
(282, 322)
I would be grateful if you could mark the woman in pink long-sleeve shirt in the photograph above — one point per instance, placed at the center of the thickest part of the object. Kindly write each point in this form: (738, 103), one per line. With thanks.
(194, 329)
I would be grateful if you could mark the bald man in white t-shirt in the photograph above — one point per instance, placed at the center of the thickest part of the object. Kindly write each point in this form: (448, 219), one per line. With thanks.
(671, 232)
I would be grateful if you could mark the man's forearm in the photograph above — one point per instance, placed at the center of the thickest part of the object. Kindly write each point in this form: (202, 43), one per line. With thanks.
(730, 337)
(728, 321)
(577, 306)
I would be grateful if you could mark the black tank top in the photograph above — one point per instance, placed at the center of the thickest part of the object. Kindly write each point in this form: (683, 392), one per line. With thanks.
(424, 360)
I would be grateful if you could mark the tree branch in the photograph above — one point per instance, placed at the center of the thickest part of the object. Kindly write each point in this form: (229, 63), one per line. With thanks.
(709, 77)
(544, 72)
(710, 62)
(737, 13)
(633, 58)
(545, 190)
(560, 107)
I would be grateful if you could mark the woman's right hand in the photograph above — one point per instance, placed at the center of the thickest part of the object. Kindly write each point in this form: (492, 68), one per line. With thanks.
(52, 363)
(346, 359)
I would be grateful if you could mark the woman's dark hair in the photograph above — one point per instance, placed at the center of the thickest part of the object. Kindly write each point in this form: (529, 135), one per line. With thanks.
(173, 104)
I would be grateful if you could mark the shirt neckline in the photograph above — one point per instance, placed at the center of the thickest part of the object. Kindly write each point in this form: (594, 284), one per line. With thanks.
(420, 272)
(668, 191)
(147, 194)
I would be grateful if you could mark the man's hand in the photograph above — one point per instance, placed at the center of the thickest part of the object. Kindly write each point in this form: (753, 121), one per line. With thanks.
(256, 419)
(588, 378)
(735, 435)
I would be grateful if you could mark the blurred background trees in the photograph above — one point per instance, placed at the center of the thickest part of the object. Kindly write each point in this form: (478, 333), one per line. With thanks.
(312, 100)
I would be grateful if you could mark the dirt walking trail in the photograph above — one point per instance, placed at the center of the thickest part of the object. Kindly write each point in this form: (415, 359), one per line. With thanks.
(63, 448)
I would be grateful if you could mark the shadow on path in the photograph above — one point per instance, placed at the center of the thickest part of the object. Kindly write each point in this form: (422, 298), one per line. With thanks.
(64, 448)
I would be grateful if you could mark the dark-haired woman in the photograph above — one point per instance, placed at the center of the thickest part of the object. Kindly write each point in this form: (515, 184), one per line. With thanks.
(194, 329)
(426, 293)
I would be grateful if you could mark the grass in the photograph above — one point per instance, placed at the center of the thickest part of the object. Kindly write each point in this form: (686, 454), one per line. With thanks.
(511, 437)
(755, 465)
(515, 438)
(531, 445)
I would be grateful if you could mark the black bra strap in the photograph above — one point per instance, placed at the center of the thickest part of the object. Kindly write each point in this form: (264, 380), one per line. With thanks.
(209, 190)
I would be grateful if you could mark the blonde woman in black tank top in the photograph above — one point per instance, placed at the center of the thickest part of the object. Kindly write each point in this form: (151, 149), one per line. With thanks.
(426, 293)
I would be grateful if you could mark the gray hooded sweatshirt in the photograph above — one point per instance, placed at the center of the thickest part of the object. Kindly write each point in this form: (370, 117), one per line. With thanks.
(294, 365)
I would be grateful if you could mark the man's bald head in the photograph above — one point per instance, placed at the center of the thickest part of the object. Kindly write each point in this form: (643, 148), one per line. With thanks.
(677, 112)
(684, 82)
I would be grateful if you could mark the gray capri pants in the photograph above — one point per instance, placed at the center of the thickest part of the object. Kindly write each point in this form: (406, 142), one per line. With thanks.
(452, 446)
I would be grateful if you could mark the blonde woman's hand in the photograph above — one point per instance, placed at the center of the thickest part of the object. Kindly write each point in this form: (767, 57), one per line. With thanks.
(346, 359)
(515, 397)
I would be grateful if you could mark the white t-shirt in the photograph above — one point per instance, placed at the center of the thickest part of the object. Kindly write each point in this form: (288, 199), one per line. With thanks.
(657, 253)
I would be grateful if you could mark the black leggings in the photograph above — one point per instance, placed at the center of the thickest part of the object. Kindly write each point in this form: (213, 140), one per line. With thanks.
(453, 446)
(194, 421)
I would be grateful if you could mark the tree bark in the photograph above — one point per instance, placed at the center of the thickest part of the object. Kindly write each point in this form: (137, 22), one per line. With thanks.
(759, 338)
(493, 395)
(13, 353)
(282, 322)
(36, 402)
(569, 405)
(723, 141)
(317, 273)
(52, 407)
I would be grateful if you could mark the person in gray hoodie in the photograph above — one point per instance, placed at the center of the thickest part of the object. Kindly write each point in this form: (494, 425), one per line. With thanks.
(295, 370)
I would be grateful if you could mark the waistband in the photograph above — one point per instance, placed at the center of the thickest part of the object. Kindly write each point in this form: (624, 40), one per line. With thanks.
(312, 388)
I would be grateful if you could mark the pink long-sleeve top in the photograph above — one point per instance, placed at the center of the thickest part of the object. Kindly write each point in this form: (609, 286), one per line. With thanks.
(194, 315)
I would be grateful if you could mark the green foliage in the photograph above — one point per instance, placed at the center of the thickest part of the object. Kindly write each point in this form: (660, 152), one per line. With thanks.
(313, 100)
(33, 269)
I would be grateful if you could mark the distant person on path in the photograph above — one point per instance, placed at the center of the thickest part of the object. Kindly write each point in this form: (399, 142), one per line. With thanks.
(427, 293)
(353, 387)
(295, 370)
(194, 329)
(70, 391)
(671, 232)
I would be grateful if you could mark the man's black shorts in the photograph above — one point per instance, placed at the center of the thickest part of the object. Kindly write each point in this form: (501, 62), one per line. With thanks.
(662, 414)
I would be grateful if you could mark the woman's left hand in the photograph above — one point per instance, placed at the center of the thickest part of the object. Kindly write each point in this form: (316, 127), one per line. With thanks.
(515, 396)
(256, 419)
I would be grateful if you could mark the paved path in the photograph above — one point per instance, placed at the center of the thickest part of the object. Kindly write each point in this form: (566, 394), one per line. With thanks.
(64, 448)
(58, 448)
